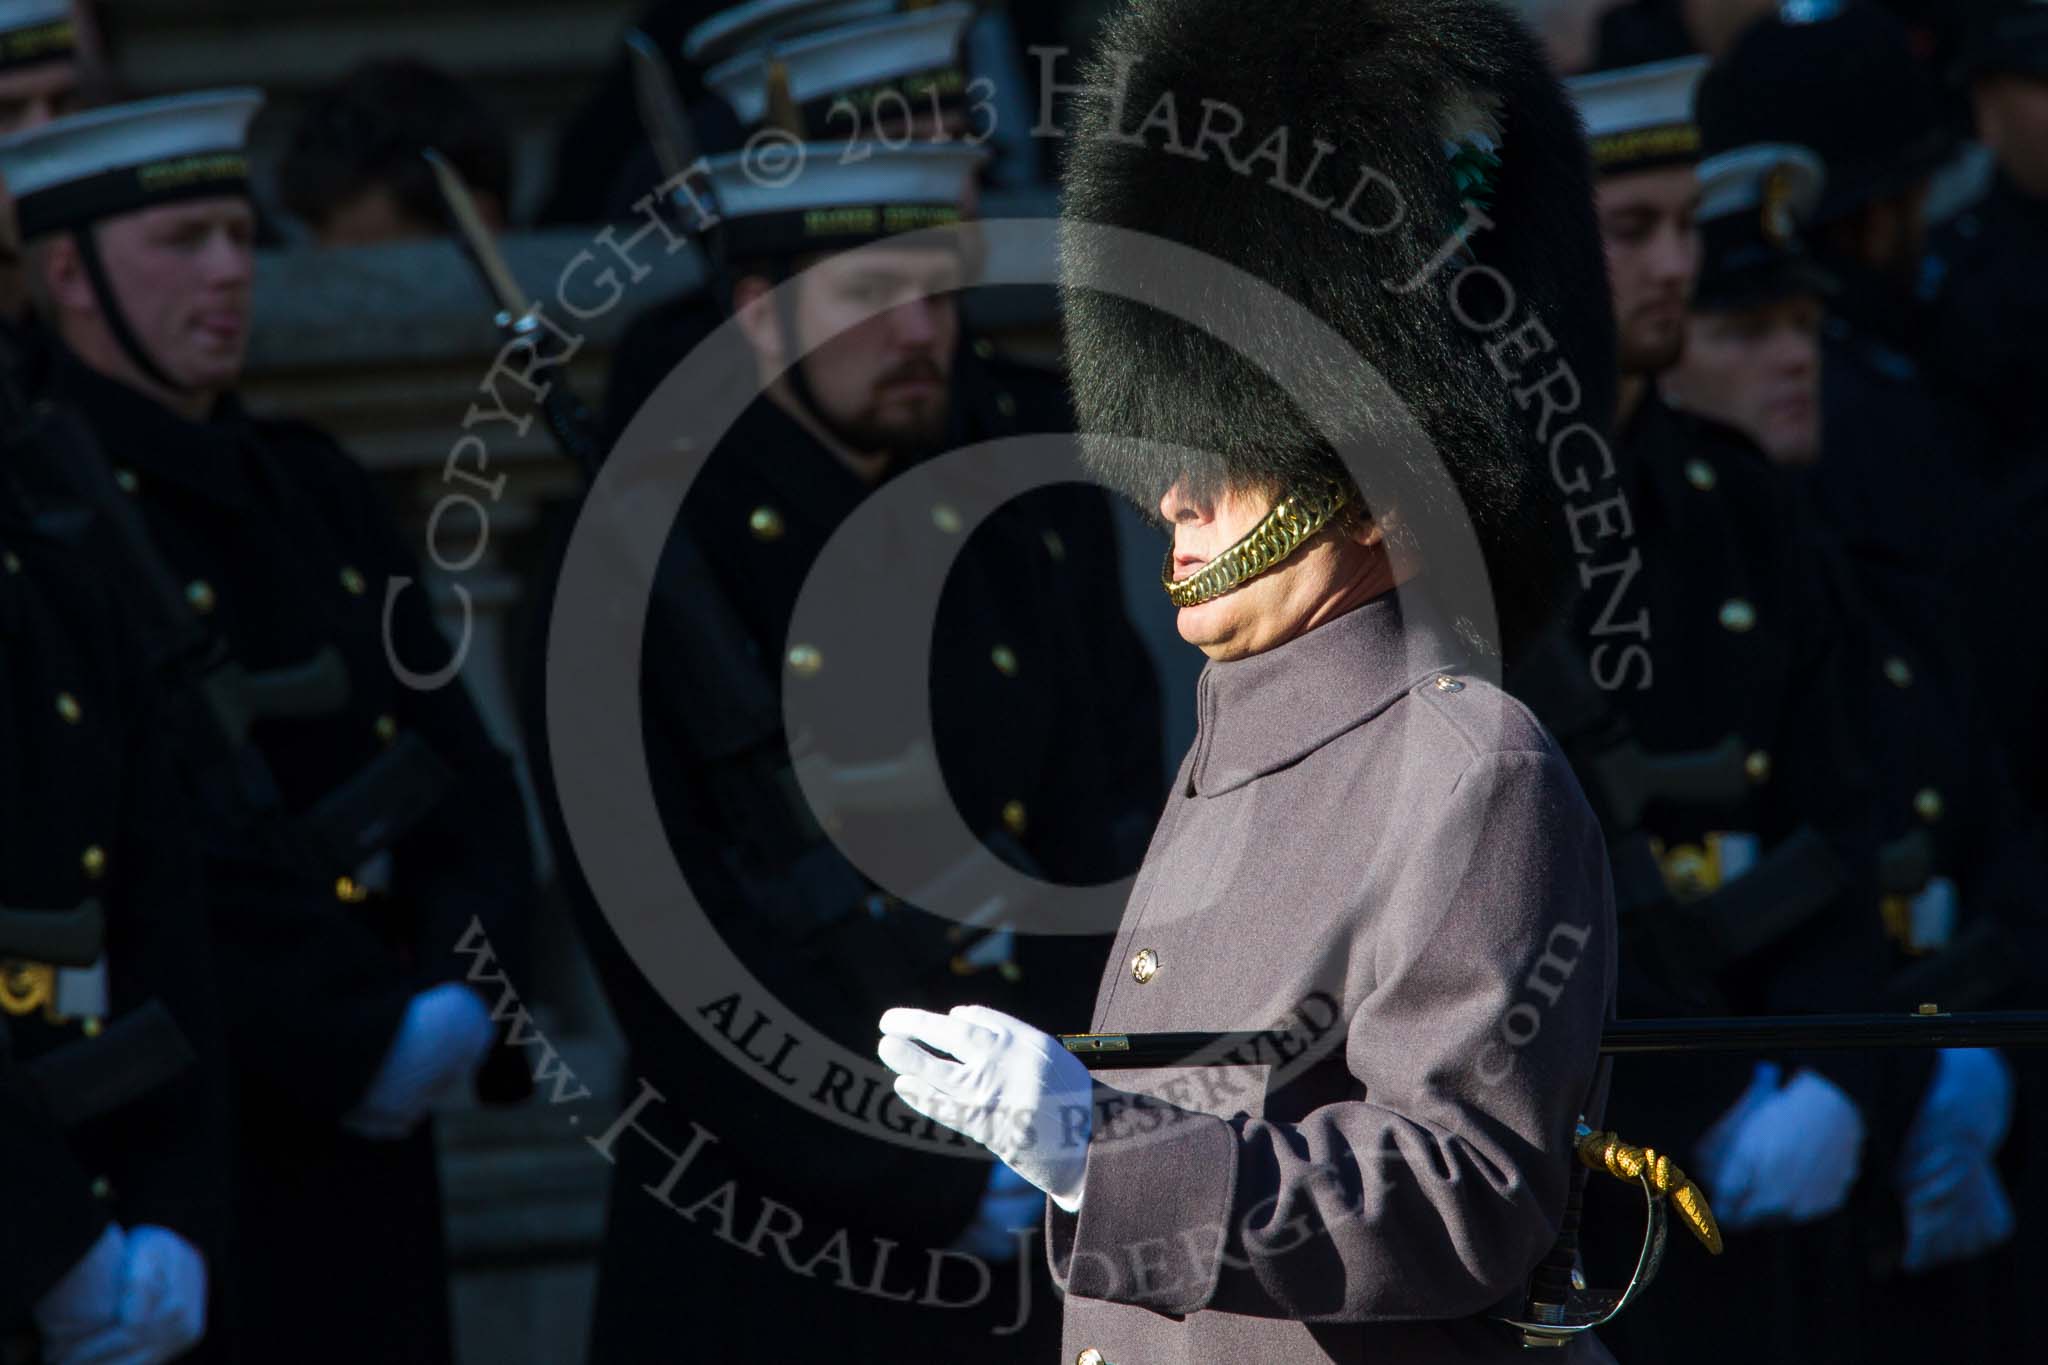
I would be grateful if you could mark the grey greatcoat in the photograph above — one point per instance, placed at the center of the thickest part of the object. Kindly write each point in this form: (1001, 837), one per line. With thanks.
(1385, 861)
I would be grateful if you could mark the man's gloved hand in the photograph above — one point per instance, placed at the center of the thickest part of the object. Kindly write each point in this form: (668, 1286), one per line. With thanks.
(88, 1298)
(1014, 1090)
(1957, 1213)
(442, 1040)
(1956, 1206)
(159, 1312)
(1010, 1205)
(1787, 1155)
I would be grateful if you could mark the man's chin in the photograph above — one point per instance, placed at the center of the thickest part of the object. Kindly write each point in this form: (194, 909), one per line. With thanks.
(1652, 354)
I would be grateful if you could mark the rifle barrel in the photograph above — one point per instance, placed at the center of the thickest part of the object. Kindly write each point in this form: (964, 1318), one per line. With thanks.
(1624, 1037)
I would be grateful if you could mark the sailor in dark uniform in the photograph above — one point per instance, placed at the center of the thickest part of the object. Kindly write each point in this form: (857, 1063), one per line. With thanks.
(1953, 859)
(1717, 629)
(1044, 725)
(1988, 296)
(347, 1018)
(40, 80)
(1983, 271)
(1850, 89)
(114, 1118)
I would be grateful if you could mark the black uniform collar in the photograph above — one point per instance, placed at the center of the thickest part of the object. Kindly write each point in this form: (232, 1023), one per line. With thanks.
(212, 458)
(806, 477)
(1260, 714)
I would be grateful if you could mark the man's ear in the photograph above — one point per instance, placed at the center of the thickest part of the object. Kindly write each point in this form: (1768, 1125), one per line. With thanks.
(64, 276)
(753, 305)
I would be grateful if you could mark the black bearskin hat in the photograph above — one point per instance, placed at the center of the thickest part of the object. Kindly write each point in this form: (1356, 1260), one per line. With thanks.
(1450, 104)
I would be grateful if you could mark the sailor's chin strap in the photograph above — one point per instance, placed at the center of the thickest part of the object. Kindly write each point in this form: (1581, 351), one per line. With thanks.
(116, 315)
(1291, 524)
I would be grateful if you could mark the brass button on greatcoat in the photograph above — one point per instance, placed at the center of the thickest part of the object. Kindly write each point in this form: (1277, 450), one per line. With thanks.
(94, 861)
(1927, 804)
(1091, 1356)
(1446, 683)
(1757, 765)
(69, 709)
(1144, 966)
(1015, 818)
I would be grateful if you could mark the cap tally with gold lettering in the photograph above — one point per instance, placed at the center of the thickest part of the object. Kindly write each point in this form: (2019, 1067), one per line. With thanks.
(1640, 118)
(845, 80)
(1755, 203)
(830, 203)
(733, 31)
(85, 167)
(36, 31)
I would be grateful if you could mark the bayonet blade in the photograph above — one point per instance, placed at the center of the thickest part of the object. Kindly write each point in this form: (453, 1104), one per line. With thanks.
(661, 107)
(483, 246)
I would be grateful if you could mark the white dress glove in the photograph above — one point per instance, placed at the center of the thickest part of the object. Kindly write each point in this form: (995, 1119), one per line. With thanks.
(1014, 1090)
(1956, 1206)
(1783, 1155)
(440, 1044)
(159, 1308)
(88, 1298)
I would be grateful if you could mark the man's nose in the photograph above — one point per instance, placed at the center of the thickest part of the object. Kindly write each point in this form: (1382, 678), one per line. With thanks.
(915, 323)
(1180, 506)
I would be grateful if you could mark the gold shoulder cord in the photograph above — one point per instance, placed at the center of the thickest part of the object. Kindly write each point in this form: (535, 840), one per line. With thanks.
(1279, 534)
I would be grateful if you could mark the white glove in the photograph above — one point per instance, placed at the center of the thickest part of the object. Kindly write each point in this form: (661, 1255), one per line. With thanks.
(1788, 1155)
(1956, 1206)
(1955, 1212)
(1014, 1090)
(161, 1309)
(87, 1299)
(1010, 1205)
(440, 1044)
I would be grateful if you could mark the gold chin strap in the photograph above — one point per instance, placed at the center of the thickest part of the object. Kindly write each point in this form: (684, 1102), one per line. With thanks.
(1285, 529)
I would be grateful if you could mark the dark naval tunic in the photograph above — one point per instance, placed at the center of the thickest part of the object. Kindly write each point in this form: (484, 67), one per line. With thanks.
(286, 552)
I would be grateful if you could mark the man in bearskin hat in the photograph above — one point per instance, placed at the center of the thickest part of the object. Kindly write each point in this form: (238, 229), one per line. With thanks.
(1368, 837)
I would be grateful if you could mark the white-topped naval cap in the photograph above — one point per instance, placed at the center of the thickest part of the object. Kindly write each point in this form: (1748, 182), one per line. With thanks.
(20, 14)
(933, 173)
(1641, 115)
(852, 59)
(124, 156)
(732, 31)
(827, 202)
(36, 31)
(1784, 176)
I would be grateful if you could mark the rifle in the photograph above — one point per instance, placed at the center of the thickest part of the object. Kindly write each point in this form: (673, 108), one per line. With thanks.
(1928, 1027)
